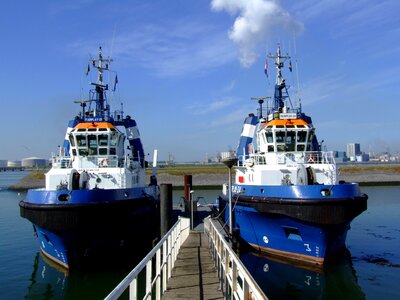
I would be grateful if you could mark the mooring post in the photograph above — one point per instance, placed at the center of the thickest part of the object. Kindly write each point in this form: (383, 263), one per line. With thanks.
(165, 208)
(187, 187)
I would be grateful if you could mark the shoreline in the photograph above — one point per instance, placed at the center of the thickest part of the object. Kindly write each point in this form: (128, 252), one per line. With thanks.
(206, 180)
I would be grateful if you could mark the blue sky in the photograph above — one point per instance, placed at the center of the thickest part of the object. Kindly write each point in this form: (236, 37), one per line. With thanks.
(187, 69)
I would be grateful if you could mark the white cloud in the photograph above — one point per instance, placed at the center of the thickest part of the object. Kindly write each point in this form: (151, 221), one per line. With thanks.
(217, 105)
(173, 48)
(255, 22)
(233, 117)
(322, 88)
(229, 87)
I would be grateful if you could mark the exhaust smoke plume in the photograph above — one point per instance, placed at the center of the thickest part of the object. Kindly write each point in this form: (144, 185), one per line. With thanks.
(256, 21)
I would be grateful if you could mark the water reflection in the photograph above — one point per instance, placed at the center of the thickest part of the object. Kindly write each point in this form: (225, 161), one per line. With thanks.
(48, 281)
(279, 280)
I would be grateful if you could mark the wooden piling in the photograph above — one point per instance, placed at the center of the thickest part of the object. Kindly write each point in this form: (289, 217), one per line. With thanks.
(187, 187)
(165, 208)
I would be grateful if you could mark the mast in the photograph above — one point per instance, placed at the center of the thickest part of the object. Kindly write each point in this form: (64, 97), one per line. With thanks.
(101, 64)
(280, 85)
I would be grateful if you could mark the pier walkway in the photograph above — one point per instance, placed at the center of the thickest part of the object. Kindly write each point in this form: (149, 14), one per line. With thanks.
(191, 264)
(194, 275)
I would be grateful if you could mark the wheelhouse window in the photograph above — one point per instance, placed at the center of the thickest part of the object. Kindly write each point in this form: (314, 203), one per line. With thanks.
(101, 141)
(281, 138)
(81, 140)
(71, 141)
(269, 135)
(92, 141)
(113, 139)
(301, 140)
(280, 141)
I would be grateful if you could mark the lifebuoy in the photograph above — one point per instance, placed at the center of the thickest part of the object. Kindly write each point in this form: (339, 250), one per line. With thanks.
(310, 158)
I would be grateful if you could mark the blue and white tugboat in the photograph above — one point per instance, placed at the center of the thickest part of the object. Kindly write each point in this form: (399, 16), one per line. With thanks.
(286, 196)
(96, 202)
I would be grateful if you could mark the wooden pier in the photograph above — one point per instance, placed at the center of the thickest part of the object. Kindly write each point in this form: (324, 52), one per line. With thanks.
(194, 275)
(187, 267)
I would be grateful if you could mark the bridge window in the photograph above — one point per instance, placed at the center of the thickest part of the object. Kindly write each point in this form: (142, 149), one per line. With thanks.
(72, 141)
(280, 136)
(103, 143)
(92, 140)
(280, 141)
(301, 136)
(81, 140)
(102, 151)
(83, 152)
(290, 140)
(269, 136)
(113, 139)
(103, 140)
(300, 147)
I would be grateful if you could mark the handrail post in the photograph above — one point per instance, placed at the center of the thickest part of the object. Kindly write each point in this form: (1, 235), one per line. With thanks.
(133, 290)
(148, 279)
(230, 269)
(169, 257)
(158, 274)
(165, 266)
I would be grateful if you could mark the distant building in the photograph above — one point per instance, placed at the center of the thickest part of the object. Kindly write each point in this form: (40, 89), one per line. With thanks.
(34, 162)
(353, 150)
(3, 163)
(340, 156)
(227, 154)
(362, 157)
(14, 163)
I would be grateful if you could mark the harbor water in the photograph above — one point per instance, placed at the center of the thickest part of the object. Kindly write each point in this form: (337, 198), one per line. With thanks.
(371, 270)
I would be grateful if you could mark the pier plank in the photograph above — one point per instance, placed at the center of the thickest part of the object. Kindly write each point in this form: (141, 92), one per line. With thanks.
(194, 276)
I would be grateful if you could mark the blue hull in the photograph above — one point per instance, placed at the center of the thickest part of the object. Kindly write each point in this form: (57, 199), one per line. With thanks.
(93, 226)
(296, 222)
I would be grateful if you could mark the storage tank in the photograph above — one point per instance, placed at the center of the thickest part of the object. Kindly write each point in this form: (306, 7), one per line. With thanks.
(34, 162)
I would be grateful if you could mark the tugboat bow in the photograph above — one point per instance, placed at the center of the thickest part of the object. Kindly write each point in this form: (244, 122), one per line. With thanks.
(288, 200)
(96, 200)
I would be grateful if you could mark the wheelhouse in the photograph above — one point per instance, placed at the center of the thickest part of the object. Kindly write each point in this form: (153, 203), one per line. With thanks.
(96, 139)
(286, 136)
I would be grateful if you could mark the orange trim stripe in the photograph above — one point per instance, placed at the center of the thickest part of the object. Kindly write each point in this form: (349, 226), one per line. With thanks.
(94, 125)
(290, 255)
(286, 122)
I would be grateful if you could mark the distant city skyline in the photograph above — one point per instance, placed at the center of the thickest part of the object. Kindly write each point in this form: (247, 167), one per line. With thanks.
(187, 69)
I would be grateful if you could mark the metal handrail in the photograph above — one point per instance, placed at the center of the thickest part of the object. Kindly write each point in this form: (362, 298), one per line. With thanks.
(165, 252)
(62, 162)
(305, 157)
(235, 279)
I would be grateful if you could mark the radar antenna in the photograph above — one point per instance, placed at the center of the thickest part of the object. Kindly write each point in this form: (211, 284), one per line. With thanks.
(260, 101)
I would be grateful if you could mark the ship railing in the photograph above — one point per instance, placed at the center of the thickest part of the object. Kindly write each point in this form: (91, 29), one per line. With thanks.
(307, 157)
(235, 280)
(161, 259)
(318, 157)
(61, 162)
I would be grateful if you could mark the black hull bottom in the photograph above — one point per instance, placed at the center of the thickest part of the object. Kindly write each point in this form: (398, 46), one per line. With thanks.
(80, 236)
(318, 211)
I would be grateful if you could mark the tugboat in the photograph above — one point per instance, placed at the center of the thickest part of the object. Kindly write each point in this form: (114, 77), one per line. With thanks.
(286, 198)
(96, 203)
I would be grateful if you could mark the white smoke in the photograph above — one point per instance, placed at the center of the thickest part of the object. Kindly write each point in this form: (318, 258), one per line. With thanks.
(256, 21)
